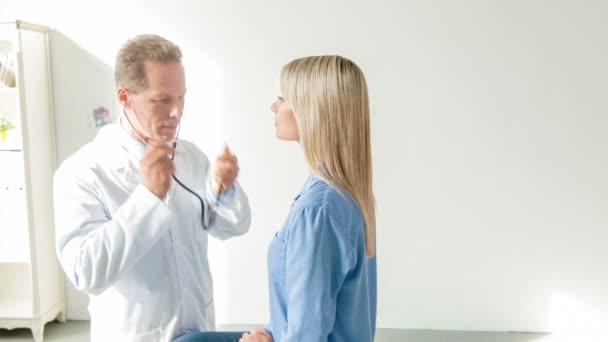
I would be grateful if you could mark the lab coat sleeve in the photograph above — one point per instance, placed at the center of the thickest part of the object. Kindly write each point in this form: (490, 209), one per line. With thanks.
(229, 213)
(95, 247)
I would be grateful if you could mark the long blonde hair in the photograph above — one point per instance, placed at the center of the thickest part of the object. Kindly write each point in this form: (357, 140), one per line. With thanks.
(330, 102)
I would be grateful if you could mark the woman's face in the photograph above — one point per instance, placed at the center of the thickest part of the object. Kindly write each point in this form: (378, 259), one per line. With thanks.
(284, 120)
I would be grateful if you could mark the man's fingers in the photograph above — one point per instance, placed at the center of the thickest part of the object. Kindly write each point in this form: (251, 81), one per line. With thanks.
(262, 331)
(227, 158)
(226, 154)
(152, 141)
(225, 170)
(157, 168)
(223, 167)
(160, 149)
(155, 154)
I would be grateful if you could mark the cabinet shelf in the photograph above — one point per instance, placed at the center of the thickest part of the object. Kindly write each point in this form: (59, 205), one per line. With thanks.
(17, 252)
(8, 90)
(15, 308)
(14, 244)
(31, 280)
(15, 301)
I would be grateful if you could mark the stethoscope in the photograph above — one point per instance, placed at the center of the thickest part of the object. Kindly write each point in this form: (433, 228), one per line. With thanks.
(173, 145)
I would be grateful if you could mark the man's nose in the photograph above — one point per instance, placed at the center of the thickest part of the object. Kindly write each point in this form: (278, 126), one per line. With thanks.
(176, 112)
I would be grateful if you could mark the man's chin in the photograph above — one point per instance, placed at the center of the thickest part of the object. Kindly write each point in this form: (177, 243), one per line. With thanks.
(167, 135)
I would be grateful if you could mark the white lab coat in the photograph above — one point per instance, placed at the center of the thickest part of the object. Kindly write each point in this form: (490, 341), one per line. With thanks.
(142, 260)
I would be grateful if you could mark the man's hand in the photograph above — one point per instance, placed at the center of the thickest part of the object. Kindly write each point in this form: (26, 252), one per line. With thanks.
(156, 168)
(224, 172)
(259, 335)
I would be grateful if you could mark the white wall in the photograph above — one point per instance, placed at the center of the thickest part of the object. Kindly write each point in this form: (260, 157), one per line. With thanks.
(490, 141)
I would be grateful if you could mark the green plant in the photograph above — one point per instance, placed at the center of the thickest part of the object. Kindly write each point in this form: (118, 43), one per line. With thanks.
(5, 125)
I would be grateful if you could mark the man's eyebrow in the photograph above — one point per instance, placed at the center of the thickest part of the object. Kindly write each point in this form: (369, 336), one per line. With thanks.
(160, 95)
(166, 94)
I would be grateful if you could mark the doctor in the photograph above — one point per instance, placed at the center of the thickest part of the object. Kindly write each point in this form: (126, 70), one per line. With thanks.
(134, 208)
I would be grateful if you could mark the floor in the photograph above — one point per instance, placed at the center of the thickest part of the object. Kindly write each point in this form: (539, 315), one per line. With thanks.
(78, 331)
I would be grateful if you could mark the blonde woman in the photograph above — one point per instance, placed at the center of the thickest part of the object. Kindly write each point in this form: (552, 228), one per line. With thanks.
(322, 268)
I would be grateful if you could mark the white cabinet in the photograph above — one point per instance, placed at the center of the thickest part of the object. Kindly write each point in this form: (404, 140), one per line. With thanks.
(31, 281)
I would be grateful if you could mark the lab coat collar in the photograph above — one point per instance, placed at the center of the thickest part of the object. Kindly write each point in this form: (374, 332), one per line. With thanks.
(128, 165)
(113, 133)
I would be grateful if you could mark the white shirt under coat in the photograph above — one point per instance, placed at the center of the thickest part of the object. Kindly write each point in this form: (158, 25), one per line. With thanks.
(142, 260)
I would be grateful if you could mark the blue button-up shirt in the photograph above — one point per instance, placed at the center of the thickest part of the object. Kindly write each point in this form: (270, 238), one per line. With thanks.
(322, 285)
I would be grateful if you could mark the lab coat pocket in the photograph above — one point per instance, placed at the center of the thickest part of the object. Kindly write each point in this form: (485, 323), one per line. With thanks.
(276, 259)
(209, 322)
(152, 335)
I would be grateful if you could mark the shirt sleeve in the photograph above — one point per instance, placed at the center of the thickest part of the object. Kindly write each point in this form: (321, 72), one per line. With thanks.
(268, 328)
(316, 264)
(96, 248)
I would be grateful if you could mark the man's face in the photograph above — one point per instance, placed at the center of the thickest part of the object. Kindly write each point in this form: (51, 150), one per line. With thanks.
(160, 106)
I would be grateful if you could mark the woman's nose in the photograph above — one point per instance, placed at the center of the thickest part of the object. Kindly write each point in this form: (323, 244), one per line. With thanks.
(273, 107)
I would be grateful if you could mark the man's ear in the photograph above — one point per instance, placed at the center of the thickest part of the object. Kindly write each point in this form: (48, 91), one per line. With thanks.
(123, 96)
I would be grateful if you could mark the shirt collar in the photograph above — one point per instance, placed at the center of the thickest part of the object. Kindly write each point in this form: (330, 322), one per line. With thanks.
(312, 179)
